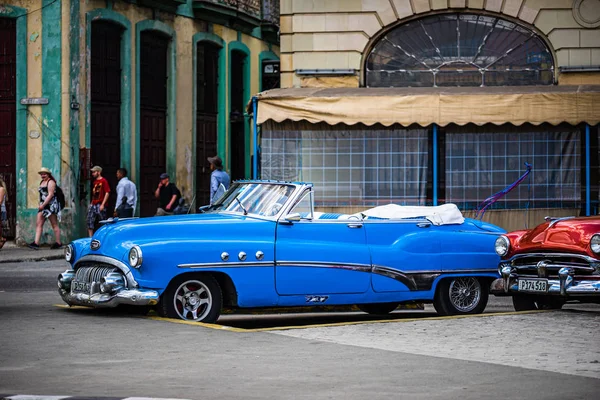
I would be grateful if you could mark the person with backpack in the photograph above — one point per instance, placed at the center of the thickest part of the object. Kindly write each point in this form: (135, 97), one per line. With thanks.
(48, 209)
(126, 195)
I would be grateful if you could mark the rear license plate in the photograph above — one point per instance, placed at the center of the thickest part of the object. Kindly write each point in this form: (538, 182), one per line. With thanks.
(80, 287)
(533, 285)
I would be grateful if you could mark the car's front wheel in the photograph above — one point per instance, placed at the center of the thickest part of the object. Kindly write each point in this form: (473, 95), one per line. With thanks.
(196, 298)
(464, 295)
(528, 303)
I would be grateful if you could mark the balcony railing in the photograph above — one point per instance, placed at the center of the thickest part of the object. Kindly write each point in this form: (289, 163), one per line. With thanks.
(270, 11)
(250, 7)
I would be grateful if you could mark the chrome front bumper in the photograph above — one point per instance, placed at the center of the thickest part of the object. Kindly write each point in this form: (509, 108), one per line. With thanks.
(564, 286)
(117, 296)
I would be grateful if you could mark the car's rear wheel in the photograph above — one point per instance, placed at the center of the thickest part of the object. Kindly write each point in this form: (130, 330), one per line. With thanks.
(378, 308)
(528, 303)
(196, 298)
(464, 295)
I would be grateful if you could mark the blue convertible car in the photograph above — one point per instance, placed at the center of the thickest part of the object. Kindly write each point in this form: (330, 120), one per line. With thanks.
(263, 245)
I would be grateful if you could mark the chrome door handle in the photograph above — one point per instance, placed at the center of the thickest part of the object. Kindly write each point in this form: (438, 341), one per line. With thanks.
(424, 224)
(355, 225)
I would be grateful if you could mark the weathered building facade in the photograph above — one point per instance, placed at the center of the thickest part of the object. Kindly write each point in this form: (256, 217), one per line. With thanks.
(436, 101)
(148, 85)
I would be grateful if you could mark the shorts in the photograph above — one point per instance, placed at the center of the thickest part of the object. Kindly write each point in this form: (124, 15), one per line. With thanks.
(94, 216)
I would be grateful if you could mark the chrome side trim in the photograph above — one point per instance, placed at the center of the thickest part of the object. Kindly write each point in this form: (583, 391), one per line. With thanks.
(422, 280)
(131, 282)
(439, 271)
(319, 264)
(228, 265)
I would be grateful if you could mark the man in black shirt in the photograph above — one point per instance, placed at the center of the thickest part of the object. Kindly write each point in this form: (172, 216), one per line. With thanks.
(167, 194)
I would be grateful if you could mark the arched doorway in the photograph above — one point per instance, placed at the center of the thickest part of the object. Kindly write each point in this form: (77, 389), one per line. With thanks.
(153, 116)
(236, 115)
(207, 102)
(105, 88)
(8, 125)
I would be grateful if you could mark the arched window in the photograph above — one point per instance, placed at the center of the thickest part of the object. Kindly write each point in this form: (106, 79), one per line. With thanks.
(459, 50)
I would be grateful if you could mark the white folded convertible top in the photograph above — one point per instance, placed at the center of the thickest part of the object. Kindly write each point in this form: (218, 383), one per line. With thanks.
(445, 214)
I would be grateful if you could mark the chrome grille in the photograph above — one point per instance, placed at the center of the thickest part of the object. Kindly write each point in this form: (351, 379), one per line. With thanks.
(548, 264)
(90, 274)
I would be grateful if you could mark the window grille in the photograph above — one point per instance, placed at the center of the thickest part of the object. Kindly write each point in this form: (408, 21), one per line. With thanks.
(349, 165)
(459, 50)
(481, 161)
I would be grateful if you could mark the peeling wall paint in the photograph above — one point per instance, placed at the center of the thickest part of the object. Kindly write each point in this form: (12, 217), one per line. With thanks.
(55, 62)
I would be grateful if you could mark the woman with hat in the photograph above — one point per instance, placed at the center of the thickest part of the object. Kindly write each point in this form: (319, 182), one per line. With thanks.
(48, 209)
(217, 177)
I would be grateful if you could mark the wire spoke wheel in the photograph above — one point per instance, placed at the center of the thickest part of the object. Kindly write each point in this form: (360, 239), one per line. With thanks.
(465, 294)
(461, 295)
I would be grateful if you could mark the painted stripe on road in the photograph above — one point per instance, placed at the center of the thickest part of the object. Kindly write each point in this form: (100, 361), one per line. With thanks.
(282, 328)
(382, 321)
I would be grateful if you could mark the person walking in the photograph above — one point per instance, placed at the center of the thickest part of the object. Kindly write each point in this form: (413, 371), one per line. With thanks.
(3, 215)
(126, 195)
(100, 193)
(217, 177)
(167, 194)
(48, 209)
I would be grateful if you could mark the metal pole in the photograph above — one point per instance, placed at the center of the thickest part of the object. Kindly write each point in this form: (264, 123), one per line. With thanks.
(587, 170)
(435, 165)
(255, 159)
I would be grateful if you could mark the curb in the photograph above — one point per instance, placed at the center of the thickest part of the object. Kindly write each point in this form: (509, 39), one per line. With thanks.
(31, 258)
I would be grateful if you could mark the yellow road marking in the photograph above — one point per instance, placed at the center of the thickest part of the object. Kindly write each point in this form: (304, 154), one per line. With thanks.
(333, 324)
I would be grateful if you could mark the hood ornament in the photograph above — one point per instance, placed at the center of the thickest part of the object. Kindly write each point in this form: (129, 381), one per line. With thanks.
(95, 245)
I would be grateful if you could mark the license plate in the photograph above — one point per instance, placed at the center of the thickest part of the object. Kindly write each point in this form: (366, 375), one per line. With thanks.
(77, 286)
(533, 285)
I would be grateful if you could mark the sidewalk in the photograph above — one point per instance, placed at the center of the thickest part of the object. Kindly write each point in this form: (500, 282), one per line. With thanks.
(13, 253)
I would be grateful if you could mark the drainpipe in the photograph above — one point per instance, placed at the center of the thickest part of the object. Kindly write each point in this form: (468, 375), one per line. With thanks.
(587, 171)
(435, 165)
(255, 159)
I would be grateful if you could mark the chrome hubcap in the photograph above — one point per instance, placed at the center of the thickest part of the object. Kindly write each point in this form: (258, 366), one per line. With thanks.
(193, 300)
(465, 294)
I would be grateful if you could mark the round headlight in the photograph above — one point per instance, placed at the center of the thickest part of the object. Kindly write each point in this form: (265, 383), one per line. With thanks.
(69, 253)
(502, 245)
(595, 243)
(135, 257)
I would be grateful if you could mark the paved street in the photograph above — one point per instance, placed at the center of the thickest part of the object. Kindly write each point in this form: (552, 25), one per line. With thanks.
(48, 349)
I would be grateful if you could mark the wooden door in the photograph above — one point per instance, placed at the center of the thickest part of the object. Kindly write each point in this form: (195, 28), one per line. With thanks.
(153, 117)
(105, 112)
(8, 125)
(207, 101)
(236, 116)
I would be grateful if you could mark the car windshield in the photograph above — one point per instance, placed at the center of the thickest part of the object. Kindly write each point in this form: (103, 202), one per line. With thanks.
(265, 199)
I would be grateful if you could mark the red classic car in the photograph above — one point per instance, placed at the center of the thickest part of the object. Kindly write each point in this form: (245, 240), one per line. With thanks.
(555, 262)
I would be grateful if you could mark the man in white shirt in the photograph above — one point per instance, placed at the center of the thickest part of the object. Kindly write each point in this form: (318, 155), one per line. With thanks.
(126, 195)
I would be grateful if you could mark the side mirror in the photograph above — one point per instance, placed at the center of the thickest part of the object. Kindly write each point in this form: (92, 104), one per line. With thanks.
(293, 217)
(204, 208)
